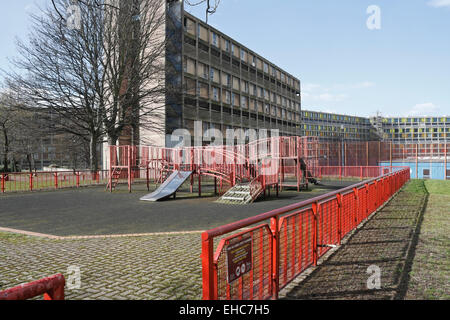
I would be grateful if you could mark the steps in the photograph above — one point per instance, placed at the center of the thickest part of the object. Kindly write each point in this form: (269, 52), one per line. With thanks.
(239, 194)
(115, 176)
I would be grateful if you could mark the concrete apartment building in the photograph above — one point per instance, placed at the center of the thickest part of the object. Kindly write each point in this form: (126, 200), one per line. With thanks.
(330, 126)
(222, 83)
(413, 129)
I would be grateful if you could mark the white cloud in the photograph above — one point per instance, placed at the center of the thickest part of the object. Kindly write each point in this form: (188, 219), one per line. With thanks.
(329, 97)
(424, 109)
(365, 84)
(439, 3)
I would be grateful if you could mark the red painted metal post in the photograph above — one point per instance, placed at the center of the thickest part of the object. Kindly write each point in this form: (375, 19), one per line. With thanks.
(355, 217)
(339, 217)
(56, 180)
(275, 257)
(208, 267)
(3, 182)
(129, 168)
(77, 177)
(147, 177)
(31, 182)
(315, 209)
(51, 287)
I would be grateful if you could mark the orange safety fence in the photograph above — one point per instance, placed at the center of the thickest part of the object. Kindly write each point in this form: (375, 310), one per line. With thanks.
(260, 255)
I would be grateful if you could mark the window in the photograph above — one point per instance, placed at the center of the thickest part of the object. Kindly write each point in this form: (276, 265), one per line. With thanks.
(215, 94)
(244, 86)
(235, 99)
(244, 102)
(274, 72)
(227, 97)
(226, 45)
(266, 68)
(215, 75)
(214, 39)
(203, 70)
(243, 55)
(204, 90)
(235, 83)
(226, 79)
(189, 65)
(189, 26)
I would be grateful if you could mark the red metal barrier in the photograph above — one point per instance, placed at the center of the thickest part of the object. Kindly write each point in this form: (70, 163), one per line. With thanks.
(46, 180)
(289, 239)
(51, 287)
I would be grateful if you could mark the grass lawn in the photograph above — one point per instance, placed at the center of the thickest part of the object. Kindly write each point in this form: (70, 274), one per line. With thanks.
(430, 271)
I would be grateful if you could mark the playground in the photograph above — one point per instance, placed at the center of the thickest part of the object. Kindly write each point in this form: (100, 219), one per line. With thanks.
(305, 216)
(92, 211)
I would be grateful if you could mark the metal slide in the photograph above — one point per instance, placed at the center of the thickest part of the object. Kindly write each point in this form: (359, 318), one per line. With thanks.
(169, 186)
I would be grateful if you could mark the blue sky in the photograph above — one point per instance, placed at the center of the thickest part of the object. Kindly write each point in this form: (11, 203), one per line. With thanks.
(401, 69)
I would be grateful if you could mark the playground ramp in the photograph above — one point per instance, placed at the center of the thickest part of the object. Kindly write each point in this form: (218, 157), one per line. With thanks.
(169, 186)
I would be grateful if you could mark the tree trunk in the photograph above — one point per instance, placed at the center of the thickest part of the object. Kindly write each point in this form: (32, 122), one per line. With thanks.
(93, 159)
(5, 149)
(29, 162)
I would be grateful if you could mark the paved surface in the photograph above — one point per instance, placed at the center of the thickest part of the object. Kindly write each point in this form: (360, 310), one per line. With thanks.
(150, 267)
(92, 211)
(159, 266)
(168, 266)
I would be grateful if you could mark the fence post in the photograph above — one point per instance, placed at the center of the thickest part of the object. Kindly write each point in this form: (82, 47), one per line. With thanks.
(56, 180)
(315, 208)
(3, 182)
(77, 177)
(275, 257)
(208, 267)
(339, 217)
(356, 211)
(31, 182)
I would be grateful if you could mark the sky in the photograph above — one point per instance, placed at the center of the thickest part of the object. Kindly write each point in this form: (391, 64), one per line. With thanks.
(350, 60)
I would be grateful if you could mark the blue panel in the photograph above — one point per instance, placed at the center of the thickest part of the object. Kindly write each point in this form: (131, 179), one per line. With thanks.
(436, 169)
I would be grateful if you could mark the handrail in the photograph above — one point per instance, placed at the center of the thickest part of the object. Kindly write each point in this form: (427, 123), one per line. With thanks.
(51, 287)
(348, 206)
(218, 231)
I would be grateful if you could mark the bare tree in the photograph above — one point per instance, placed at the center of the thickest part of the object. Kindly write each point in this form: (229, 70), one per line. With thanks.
(210, 8)
(6, 125)
(101, 75)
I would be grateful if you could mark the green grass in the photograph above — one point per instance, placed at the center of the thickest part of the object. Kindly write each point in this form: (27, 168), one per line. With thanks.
(441, 187)
(430, 272)
(415, 186)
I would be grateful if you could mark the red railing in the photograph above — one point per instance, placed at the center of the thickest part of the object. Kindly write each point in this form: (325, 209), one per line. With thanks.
(290, 239)
(51, 287)
(46, 180)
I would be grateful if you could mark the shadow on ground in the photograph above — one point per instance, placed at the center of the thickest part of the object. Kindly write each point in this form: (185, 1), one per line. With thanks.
(386, 243)
(93, 211)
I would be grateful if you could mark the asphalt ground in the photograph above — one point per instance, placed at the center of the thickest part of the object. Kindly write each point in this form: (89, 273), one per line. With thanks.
(94, 211)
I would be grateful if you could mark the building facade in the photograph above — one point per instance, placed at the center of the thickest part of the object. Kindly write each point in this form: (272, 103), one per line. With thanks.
(222, 83)
(413, 129)
(331, 126)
